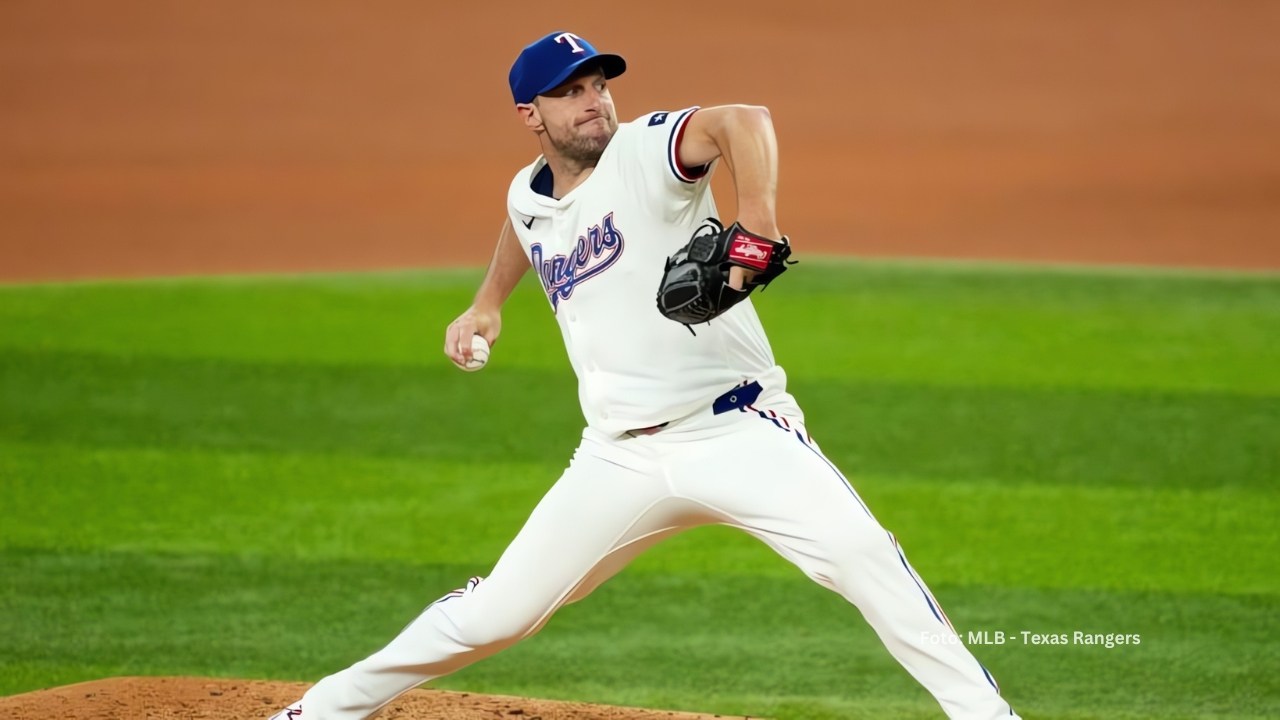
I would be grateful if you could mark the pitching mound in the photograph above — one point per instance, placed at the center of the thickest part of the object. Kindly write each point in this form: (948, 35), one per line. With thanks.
(203, 699)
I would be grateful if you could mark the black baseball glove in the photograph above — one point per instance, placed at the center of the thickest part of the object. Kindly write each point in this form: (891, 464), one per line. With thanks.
(695, 284)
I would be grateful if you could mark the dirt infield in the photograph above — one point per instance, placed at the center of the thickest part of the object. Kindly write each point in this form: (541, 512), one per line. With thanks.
(143, 136)
(206, 699)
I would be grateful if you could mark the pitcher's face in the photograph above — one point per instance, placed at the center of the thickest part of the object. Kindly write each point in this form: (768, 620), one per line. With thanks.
(577, 116)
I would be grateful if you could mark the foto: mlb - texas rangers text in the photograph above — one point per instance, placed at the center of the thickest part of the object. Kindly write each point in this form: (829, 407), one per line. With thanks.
(1028, 637)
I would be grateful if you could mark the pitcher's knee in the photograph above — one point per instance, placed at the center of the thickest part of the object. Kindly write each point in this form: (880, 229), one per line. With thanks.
(489, 629)
(478, 633)
(481, 619)
(848, 552)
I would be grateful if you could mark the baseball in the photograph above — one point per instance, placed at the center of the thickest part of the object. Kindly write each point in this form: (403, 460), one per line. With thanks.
(479, 354)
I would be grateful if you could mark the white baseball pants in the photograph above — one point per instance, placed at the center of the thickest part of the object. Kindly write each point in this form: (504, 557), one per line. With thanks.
(751, 466)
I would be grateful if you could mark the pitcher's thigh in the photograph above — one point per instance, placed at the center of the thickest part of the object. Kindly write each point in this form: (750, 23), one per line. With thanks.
(770, 479)
(593, 516)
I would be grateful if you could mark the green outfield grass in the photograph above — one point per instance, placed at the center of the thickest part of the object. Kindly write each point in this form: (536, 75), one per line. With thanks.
(268, 477)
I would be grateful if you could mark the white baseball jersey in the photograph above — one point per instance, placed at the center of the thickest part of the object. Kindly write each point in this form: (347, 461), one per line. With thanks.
(599, 252)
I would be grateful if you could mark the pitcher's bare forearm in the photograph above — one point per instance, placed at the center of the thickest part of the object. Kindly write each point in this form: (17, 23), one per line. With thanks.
(484, 317)
(508, 265)
(743, 136)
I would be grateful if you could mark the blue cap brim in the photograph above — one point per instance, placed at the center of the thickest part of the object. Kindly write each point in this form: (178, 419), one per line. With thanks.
(612, 65)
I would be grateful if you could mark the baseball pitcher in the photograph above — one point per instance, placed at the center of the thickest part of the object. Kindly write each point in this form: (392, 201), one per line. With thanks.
(688, 418)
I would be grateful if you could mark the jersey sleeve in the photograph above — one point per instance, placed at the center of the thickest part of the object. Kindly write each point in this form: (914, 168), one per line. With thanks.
(653, 161)
(675, 136)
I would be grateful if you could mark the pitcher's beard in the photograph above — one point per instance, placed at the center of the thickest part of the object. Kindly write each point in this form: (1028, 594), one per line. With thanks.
(584, 150)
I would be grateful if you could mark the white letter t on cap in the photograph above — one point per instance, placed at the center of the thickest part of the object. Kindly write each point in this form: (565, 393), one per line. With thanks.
(570, 38)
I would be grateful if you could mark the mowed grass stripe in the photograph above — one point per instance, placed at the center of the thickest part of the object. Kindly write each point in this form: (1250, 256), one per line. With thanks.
(1055, 436)
(1178, 540)
(92, 400)
(395, 319)
(959, 325)
(970, 325)
(336, 507)
(323, 506)
(769, 646)
(967, 534)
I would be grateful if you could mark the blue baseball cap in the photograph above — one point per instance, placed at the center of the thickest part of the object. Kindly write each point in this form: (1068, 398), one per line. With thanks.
(552, 59)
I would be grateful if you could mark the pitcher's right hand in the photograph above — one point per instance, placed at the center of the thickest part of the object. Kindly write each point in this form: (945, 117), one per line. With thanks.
(475, 321)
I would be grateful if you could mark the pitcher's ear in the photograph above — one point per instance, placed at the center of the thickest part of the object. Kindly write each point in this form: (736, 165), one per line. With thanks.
(530, 115)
